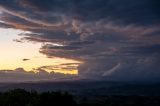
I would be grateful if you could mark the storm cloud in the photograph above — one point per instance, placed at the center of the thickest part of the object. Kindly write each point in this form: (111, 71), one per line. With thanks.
(114, 39)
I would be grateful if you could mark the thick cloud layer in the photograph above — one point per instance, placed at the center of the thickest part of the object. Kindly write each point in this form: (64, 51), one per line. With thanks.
(20, 75)
(115, 39)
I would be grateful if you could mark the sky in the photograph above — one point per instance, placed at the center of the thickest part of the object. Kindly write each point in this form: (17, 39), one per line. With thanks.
(25, 55)
(80, 39)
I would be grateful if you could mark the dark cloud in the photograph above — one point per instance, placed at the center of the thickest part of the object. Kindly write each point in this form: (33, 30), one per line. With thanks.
(144, 50)
(20, 75)
(61, 67)
(17, 40)
(26, 59)
(113, 39)
(128, 11)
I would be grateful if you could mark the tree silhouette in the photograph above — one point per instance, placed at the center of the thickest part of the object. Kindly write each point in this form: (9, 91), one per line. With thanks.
(20, 97)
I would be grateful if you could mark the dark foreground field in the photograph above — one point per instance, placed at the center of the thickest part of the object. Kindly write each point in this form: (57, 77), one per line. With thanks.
(20, 97)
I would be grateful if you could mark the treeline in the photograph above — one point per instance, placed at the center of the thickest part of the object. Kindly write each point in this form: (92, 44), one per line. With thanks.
(20, 97)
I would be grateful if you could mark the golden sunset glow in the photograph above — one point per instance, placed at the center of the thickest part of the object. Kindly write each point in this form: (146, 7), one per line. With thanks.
(13, 53)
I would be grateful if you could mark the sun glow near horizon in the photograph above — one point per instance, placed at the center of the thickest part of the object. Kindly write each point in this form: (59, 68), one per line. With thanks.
(12, 55)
